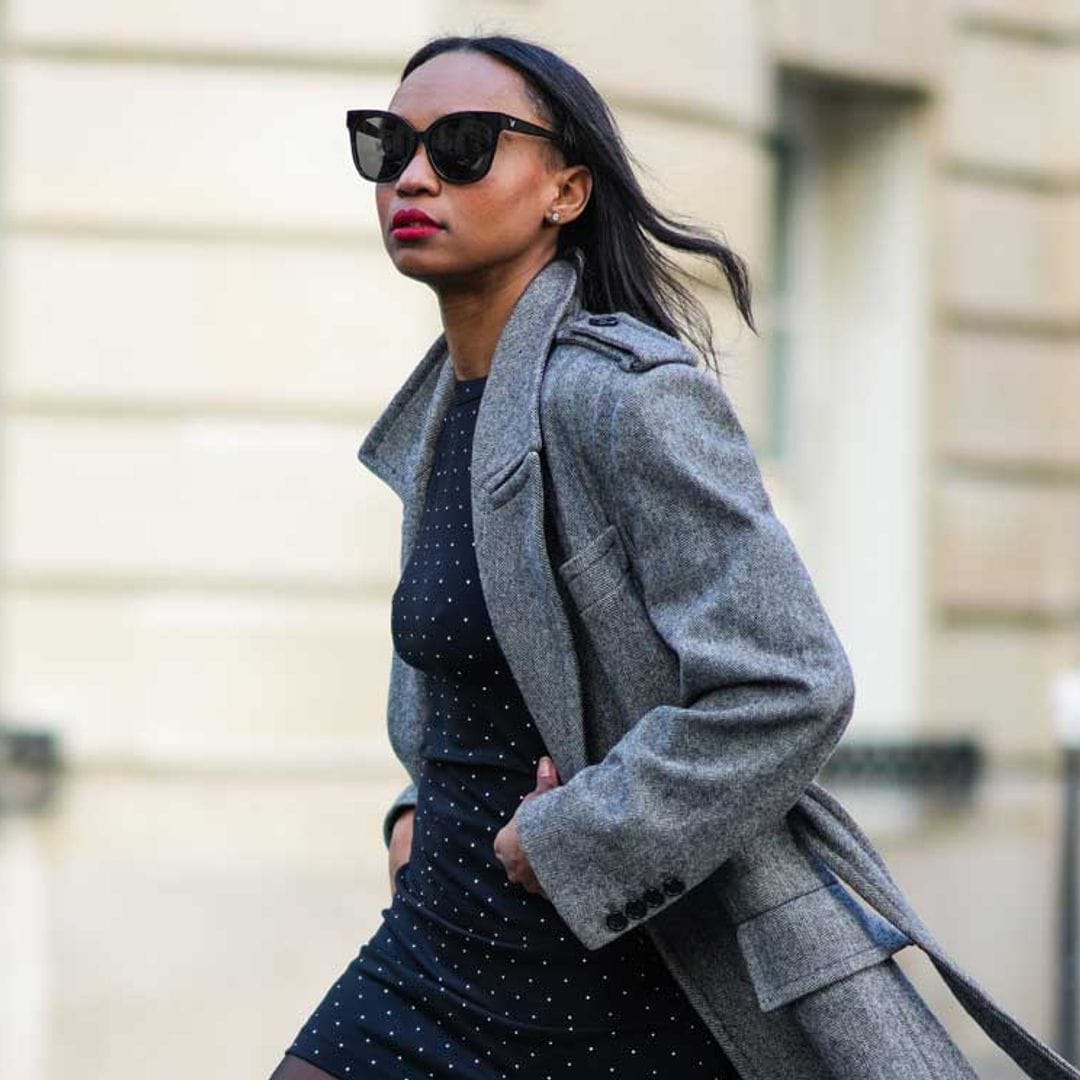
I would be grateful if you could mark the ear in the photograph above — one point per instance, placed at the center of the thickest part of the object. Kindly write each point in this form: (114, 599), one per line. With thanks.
(574, 185)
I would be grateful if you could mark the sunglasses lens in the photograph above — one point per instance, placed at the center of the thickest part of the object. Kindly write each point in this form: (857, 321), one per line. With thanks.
(462, 147)
(382, 145)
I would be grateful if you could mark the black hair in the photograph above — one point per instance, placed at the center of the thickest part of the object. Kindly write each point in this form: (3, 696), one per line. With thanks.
(624, 270)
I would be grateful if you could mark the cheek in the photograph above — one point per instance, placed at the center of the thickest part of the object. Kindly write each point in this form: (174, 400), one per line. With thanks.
(504, 207)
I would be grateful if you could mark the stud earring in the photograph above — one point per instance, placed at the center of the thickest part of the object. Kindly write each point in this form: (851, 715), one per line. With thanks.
(555, 215)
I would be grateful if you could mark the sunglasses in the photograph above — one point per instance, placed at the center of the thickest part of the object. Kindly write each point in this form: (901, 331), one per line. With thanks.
(460, 146)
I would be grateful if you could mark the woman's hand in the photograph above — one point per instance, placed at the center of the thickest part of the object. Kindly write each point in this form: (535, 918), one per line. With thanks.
(508, 849)
(400, 844)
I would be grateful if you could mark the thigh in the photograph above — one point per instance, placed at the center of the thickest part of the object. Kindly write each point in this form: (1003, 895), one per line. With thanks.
(873, 1025)
(294, 1068)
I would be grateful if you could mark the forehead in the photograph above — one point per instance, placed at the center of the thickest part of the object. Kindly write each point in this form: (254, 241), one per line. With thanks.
(454, 81)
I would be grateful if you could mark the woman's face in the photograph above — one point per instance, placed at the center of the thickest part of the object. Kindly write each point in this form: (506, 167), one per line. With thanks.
(497, 222)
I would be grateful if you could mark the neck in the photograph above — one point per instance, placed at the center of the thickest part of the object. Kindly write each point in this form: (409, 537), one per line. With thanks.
(473, 316)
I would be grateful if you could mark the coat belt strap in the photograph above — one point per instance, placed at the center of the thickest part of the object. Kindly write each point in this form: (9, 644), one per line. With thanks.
(818, 819)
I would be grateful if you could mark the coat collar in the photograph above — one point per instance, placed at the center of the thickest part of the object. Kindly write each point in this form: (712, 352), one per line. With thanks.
(399, 446)
(507, 494)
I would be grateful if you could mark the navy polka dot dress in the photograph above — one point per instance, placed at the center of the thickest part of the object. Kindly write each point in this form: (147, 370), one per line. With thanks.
(470, 975)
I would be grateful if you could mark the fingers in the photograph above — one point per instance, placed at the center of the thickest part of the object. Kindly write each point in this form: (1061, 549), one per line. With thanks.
(396, 868)
(507, 843)
(534, 886)
(509, 852)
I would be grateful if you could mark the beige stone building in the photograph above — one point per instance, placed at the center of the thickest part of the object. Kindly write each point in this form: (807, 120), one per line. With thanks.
(200, 322)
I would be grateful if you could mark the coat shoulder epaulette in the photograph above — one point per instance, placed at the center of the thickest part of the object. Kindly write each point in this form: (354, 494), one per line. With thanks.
(633, 344)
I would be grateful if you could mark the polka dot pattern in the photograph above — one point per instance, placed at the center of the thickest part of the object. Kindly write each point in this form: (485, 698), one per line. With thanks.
(469, 975)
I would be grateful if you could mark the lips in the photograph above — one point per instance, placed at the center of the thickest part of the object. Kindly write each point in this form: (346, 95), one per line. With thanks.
(413, 219)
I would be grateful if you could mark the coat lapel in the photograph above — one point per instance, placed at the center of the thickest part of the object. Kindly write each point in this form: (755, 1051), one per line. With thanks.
(516, 575)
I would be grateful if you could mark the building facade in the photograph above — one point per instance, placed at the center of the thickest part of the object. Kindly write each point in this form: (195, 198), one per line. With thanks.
(201, 321)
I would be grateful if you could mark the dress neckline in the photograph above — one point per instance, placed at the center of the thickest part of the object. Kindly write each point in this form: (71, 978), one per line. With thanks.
(468, 389)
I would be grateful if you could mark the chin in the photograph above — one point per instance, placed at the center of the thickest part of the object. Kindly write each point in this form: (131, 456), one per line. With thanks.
(431, 268)
(414, 265)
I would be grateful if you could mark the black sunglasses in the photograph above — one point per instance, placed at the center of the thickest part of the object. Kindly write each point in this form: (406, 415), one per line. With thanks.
(460, 145)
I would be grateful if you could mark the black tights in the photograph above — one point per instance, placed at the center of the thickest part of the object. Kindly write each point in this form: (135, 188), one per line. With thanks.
(294, 1068)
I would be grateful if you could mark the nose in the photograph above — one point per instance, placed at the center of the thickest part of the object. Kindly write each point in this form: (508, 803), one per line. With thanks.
(418, 173)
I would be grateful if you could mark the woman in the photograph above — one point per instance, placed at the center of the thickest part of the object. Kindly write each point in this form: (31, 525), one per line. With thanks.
(476, 971)
(472, 974)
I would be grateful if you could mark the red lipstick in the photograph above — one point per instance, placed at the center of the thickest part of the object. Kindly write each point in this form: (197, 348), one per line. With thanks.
(413, 225)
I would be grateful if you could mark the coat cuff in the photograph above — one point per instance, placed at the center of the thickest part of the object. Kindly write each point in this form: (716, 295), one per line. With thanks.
(586, 882)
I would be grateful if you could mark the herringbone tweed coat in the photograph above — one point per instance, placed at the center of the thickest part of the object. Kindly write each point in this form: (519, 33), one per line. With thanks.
(689, 685)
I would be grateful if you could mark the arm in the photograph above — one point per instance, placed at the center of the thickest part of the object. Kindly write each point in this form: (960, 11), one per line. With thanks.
(765, 687)
(406, 800)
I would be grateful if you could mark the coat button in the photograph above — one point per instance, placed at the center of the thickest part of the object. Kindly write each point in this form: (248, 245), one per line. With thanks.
(654, 897)
(617, 921)
(635, 909)
(673, 885)
(603, 320)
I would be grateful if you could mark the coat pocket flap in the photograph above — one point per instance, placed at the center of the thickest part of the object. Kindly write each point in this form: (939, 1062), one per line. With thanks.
(811, 941)
(596, 570)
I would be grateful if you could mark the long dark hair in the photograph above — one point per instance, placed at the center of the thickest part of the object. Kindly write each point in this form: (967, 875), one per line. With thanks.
(624, 269)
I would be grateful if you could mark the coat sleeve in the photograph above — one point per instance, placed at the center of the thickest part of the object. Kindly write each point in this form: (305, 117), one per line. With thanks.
(765, 687)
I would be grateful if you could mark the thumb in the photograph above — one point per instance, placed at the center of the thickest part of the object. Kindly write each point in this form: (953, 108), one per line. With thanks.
(546, 774)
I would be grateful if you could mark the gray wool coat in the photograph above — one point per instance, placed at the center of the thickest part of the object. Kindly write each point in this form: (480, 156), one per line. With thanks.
(688, 684)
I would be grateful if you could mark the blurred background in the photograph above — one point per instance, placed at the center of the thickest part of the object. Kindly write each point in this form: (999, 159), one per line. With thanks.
(200, 322)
